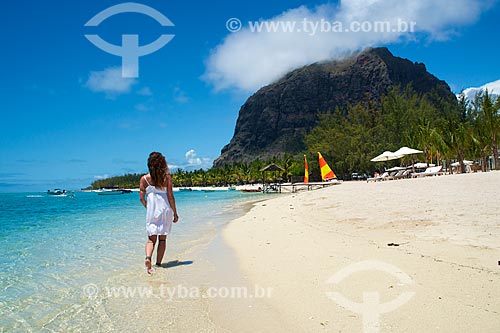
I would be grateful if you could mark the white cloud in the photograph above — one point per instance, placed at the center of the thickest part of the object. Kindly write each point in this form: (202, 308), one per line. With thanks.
(110, 82)
(248, 60)
(192, 158)
(493, 88)
(194, 161)
(101, 176)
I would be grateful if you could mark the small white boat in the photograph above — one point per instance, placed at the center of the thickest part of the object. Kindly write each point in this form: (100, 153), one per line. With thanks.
(56, 191)
(60, 193)
(113, 191)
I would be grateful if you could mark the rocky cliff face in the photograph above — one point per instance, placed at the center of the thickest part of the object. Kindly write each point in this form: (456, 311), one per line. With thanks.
(276, 118)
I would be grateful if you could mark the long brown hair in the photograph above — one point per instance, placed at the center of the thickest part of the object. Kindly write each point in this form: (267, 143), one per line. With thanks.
(158, 169)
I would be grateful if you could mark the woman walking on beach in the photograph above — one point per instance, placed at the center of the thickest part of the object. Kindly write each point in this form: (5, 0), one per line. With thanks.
(157, 197)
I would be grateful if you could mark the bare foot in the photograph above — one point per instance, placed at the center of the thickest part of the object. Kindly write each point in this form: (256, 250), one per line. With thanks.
(149, 268)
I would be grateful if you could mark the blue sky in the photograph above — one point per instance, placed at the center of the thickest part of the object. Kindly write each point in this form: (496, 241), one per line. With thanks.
(68, 118)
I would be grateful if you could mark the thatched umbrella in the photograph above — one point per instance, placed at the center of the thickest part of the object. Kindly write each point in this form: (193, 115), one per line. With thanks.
(271, 167)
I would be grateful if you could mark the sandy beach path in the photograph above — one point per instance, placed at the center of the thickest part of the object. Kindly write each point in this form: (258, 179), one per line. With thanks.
(441, 272)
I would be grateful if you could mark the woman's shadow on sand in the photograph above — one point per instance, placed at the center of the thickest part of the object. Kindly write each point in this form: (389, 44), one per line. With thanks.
(175, 263)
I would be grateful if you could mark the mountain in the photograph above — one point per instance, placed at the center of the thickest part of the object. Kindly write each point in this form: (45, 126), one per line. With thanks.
(278, 116)
(493, 88)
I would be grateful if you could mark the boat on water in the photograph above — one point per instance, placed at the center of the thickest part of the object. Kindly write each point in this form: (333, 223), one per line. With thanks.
(251, 190)
(114, 191)
(56, 191)
(60, 193)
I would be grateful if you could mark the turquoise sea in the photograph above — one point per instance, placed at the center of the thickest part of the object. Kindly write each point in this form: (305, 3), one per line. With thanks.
(52, 247)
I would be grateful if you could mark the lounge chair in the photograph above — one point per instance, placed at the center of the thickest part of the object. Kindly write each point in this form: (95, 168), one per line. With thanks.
(405, 174)
(435, 171)
(430, 171)
(420, 174)
(376, 179)
(395, 175)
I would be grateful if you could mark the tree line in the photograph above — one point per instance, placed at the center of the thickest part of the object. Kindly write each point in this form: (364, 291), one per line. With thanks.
(231, 174)
(444, 130)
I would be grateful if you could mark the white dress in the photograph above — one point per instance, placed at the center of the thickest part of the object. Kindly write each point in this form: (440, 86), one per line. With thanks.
(159, 214)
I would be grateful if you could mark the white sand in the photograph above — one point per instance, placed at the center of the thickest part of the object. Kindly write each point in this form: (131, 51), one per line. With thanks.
(448, 228)
(220, 188)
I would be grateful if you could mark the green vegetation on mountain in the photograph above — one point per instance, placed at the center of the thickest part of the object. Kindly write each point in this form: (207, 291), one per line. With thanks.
(350, 111)
(277, 118)
(444, 131)
(401, 118)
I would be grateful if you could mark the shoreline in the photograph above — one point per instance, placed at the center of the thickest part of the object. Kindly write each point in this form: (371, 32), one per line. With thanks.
(98, 281)
(190, 188)
(292, 244)
(442, 232)
(210, 265)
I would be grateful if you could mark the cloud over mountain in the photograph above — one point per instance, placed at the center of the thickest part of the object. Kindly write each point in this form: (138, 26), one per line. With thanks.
(247, 60)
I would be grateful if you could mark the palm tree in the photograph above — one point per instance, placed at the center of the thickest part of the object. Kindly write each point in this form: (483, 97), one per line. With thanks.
(490, 107)
(410, 139)
(428, 139)
(453, 137)
(287, 164)
(245, 171)
(255, 167)
(179, 178)
(455, 133)
(237, 173)
(480, 144)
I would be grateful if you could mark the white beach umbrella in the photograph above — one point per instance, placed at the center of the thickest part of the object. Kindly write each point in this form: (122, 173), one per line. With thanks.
(386, 156)
(407, 151)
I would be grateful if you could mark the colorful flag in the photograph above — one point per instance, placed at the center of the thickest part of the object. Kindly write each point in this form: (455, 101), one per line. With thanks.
(326, 172)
